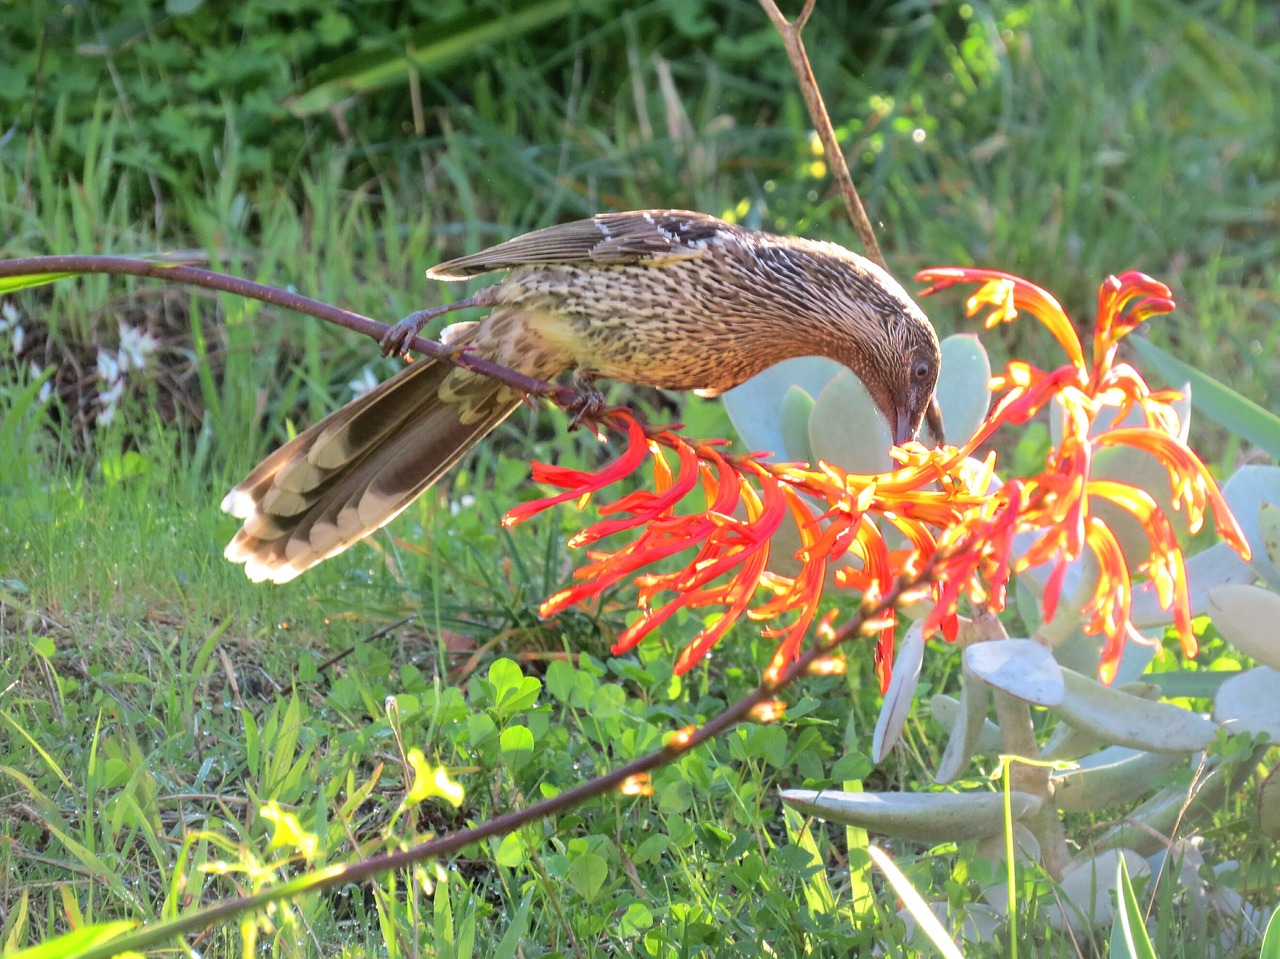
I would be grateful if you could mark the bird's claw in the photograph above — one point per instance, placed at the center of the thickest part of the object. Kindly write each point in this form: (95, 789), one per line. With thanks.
(395, 342)
(586, 407)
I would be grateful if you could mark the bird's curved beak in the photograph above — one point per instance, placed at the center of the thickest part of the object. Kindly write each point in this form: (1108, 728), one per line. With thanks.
(903, 431)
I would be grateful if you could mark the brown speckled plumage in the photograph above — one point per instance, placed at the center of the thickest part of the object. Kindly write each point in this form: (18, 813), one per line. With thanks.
(665, 298)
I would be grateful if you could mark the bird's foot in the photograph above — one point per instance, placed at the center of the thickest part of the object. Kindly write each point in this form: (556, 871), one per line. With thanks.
(588, 406)
(395, 342)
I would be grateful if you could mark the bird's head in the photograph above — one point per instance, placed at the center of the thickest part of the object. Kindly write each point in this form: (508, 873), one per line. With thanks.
(895, 350)
(912, 374)
(848, 308)
(900, 374)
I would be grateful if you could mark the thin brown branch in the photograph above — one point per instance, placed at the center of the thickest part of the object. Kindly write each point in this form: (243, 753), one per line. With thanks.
(790, 31)
(198, 276)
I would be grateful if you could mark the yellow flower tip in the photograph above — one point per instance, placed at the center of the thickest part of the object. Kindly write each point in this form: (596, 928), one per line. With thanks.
(826, 625)
(872, 626)
(1107, 669)
(287, 832)
(914, 594)
(681, 738)
(871, 597)
(769, 711)
(637, 785)
(827, 666)
(431, 782)
(996, 293)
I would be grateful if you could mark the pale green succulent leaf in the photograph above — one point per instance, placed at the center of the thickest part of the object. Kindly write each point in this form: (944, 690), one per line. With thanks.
(969, 730)
(901, 693)
(755, 407)
(1246, 491)
(797, 407)
(1114, 776)
(1269, 531)
(1145, 826)
(1248, 617)
(1249, 702)
(924, 817)
(847, 430)
(1020, 667)
(1116, 717)
(1068, 744)
(962, 386)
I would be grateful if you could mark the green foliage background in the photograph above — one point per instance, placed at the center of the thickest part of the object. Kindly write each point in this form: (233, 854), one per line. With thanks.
(1058, 140)
(343, 148)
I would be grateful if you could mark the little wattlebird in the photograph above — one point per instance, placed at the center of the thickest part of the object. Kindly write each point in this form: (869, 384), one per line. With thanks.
(665, 298)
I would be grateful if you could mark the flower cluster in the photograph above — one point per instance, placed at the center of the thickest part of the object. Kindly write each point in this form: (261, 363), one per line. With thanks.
(136, 349)
(717, 513)
(1057, 503)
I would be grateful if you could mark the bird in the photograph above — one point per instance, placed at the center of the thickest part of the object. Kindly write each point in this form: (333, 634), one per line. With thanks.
(666, 298)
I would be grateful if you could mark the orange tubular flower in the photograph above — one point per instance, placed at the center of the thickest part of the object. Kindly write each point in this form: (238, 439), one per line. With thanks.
(732, 505)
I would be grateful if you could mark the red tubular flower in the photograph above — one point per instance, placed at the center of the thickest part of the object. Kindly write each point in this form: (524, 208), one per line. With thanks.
(578, 484)
(1101, 392)
(937, 499)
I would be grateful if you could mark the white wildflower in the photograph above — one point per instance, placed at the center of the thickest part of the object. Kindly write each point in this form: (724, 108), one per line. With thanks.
(465, 501)
(136, 344)
(46, 388)
(11, 323)
(111, 376)
(110, 370)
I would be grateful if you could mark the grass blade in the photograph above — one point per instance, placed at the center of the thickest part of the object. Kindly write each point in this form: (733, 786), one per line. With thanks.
(75, 942)
(1271, 941)
(11, 284)
(429, 48)
(1129, 934)
(918, 908)
(514, 935)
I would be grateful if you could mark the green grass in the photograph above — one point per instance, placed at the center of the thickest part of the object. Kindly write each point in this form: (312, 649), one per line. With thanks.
(152, 700)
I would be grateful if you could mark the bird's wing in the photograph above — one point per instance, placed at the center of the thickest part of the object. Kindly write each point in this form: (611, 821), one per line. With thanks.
(606, 238)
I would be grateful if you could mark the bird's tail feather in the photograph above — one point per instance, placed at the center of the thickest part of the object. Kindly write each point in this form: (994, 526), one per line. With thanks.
(357, 469)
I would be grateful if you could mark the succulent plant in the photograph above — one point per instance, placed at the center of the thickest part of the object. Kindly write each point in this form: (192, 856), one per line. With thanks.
(1120, 739)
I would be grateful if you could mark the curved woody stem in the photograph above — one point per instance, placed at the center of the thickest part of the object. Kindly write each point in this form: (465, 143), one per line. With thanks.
(790, 31)
(59, 267)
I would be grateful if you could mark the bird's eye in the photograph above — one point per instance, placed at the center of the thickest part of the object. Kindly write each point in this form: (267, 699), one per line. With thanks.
(920, 371)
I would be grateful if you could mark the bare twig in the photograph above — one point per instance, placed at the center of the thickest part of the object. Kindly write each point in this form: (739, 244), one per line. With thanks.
(790, 30)
(57, 267)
